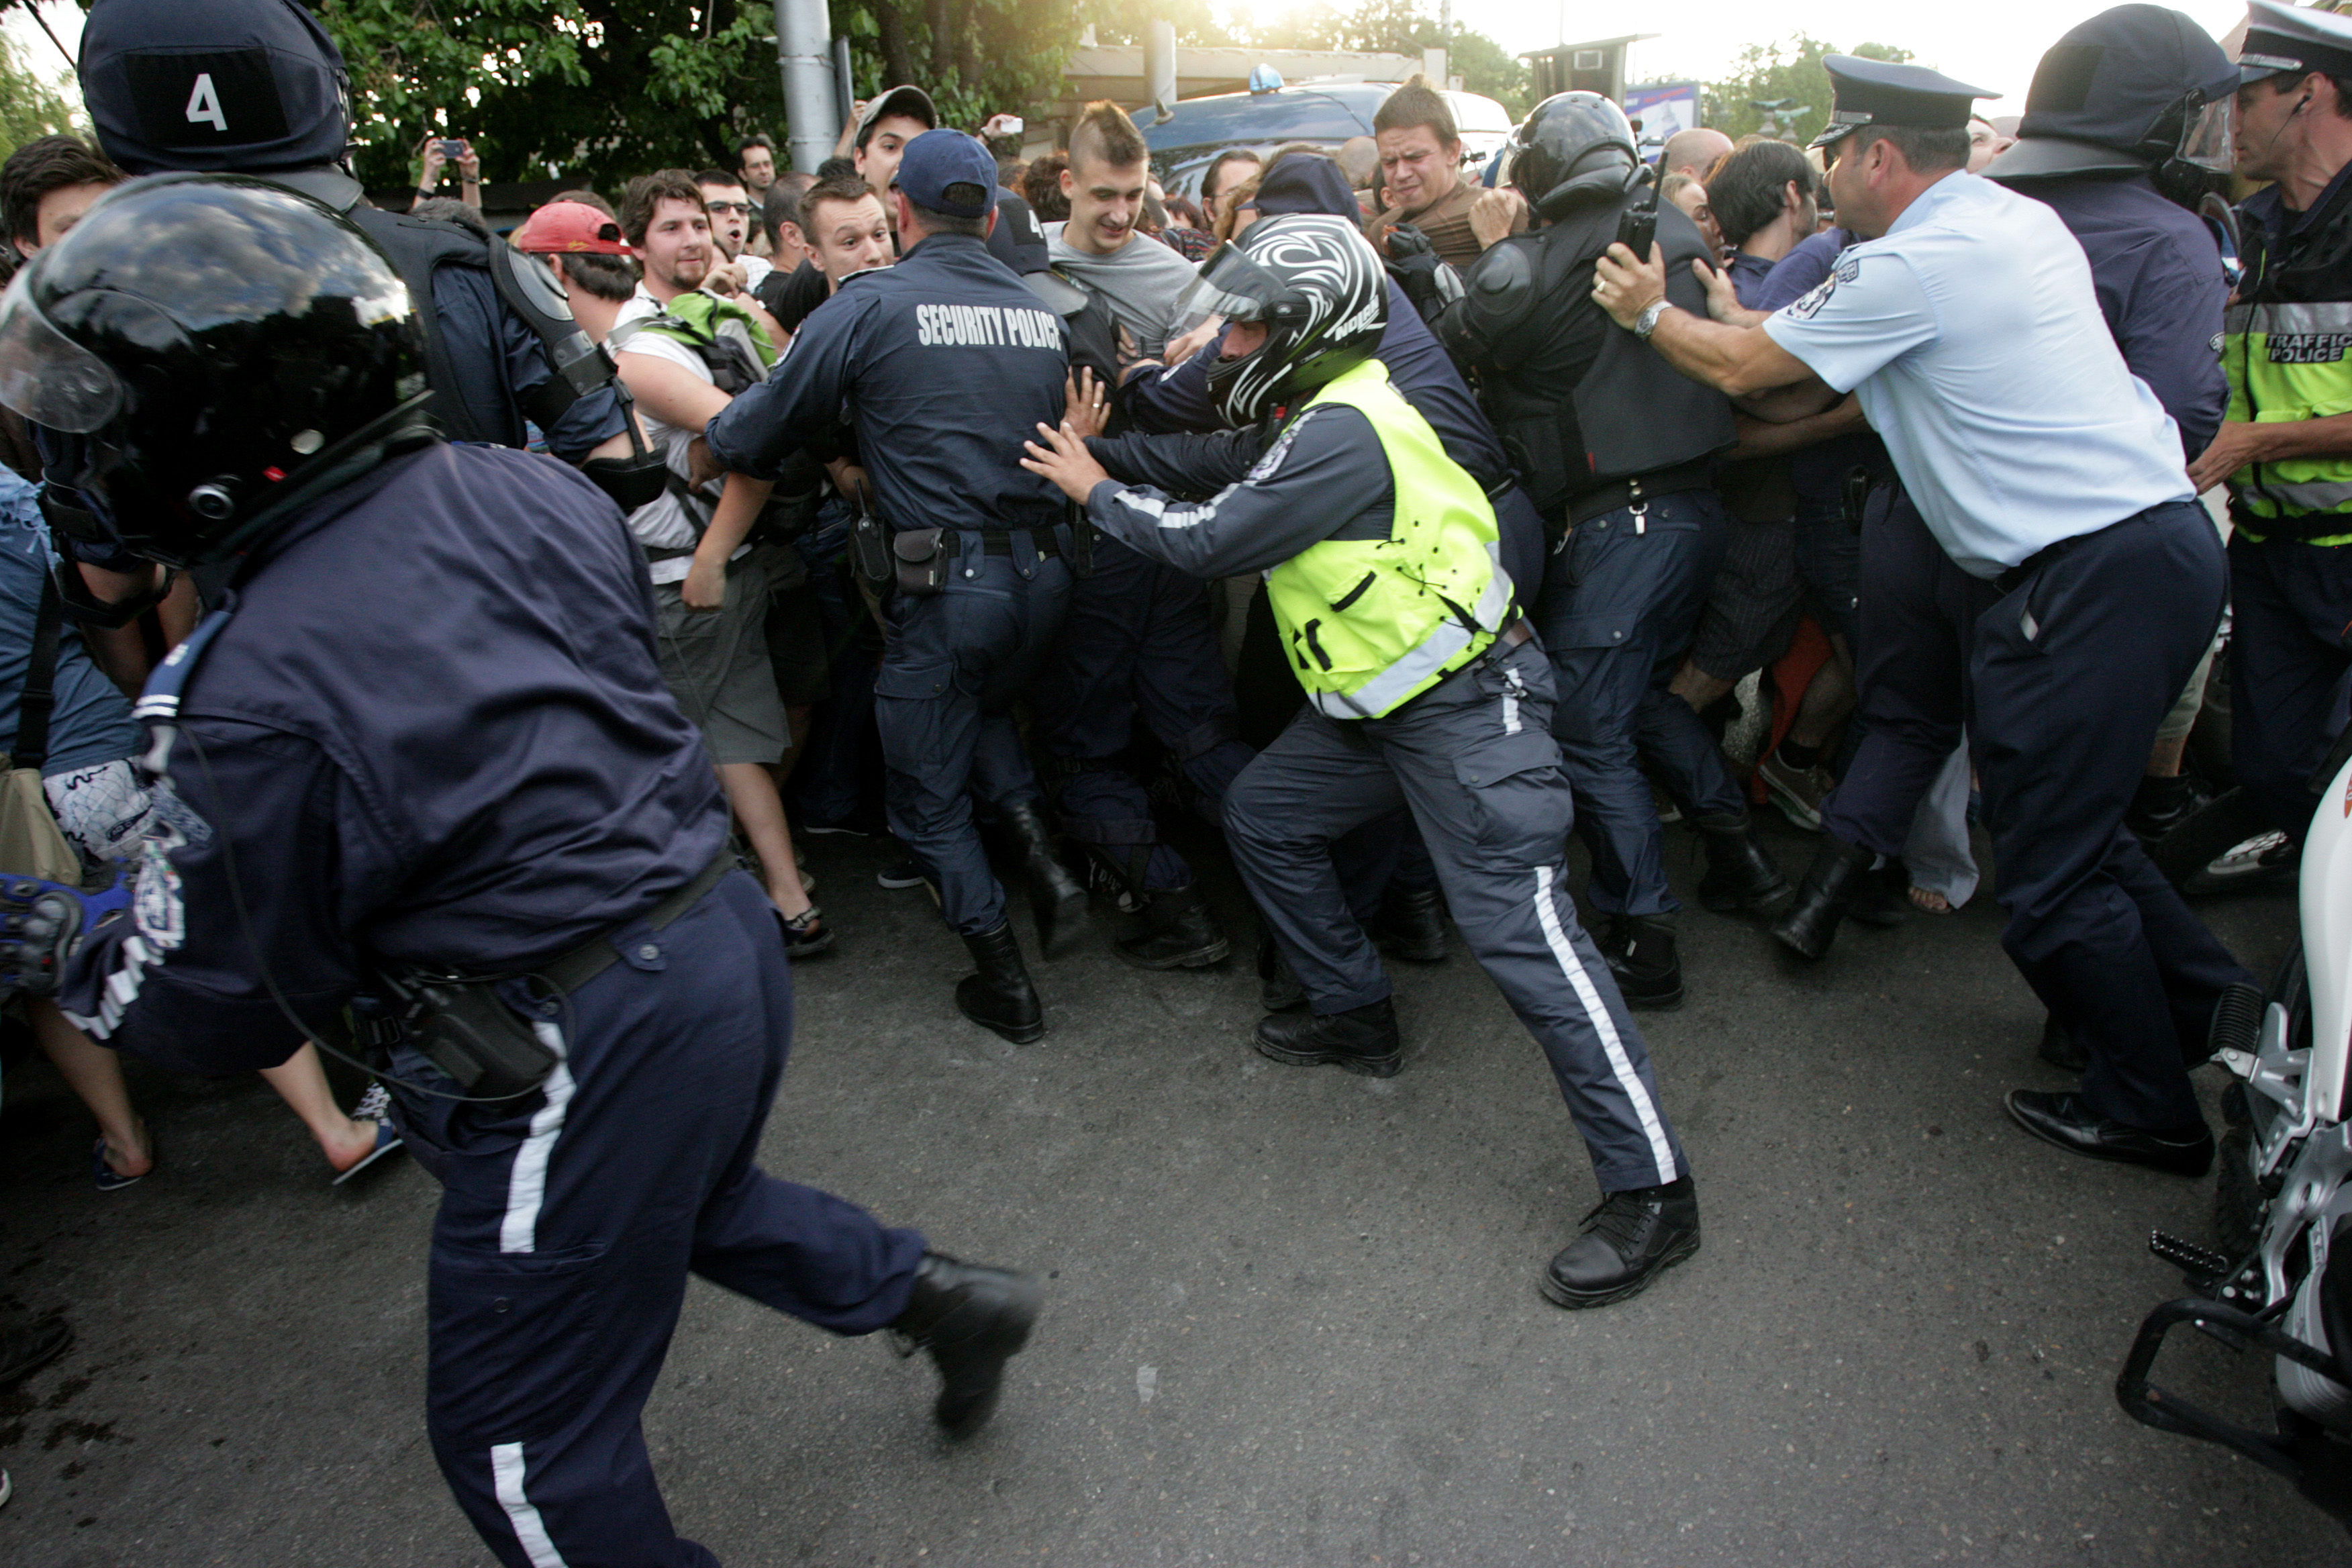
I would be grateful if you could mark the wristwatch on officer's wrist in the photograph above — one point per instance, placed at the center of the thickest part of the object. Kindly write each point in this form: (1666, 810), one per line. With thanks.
(1647, 322)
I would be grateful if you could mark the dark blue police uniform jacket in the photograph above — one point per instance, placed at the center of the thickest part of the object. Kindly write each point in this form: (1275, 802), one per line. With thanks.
(416, 737)
(2158, 273)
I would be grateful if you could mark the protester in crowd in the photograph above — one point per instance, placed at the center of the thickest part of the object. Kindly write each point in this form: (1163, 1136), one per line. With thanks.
(1108, 168)
(1237, 208)
(1421, 164)
(736, 272)
(2289, 465)
(780, 223)
(1360, 159)
(879, 135)
(1043, 187)
(1985, 143)
(1763, 198)
(1226, 171)
(939, 402)
(1619, 454)
(755, 162)
(711, 583)
(1686, 191)
(2097, 585)
(1693, 153)
(435, 153)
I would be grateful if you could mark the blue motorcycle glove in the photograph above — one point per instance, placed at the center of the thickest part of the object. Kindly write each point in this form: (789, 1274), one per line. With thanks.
(41, 925)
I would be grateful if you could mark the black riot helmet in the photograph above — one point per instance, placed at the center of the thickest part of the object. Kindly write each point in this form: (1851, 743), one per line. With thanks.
(2136, 89)
(216, 350)
(1574, 150)
(1322, 294)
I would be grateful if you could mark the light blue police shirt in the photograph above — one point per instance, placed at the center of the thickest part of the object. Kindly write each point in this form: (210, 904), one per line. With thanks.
(1973, 337)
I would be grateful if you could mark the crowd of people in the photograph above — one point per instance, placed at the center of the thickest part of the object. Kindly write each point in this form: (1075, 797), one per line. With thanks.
(1386, 518)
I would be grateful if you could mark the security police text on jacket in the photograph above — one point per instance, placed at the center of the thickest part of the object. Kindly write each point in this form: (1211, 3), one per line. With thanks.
(942, 364)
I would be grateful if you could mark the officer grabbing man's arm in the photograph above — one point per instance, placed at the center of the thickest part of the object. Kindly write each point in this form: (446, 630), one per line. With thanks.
(1425, 690)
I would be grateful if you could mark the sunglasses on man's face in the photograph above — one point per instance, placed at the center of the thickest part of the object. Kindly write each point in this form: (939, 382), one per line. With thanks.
(740, 209)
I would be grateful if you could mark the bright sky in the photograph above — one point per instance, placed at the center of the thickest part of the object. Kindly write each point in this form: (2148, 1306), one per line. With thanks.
(1985, 43)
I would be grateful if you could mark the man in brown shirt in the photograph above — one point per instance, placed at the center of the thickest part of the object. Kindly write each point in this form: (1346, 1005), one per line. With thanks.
(1421, 163)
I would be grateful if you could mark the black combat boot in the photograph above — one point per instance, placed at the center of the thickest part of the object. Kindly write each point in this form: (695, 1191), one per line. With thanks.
(1741, 874)
(1278, 990)
(1809, 924)
(1000, 997)
(1179, 932)
(1361, 1039)
(972, 1318)
(1411, 924)
(1057, 897)
(1640, 951)
(1628, 1239)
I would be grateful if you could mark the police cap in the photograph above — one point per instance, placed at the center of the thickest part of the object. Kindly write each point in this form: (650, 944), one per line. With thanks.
(949, 172)
(244, 85)
(2114, 95)
(2283, 39)
(1879, 92)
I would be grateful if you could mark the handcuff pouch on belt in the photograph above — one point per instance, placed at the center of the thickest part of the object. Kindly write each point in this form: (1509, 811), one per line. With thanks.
(919, 558)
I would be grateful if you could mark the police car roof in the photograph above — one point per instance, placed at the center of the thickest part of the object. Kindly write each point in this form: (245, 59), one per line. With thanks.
(1322, 113)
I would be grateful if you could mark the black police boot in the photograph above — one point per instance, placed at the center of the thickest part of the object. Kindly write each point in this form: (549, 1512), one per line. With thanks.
(1411, 924)
(972, 1318)
(1361, 1039)
(1640, 951)
(1809, 924)
(1179, 932)
(1628, 1239)
(1740, 874)
(1057, 897)
(1278, 990)
(2160, 805)
(1000, 997)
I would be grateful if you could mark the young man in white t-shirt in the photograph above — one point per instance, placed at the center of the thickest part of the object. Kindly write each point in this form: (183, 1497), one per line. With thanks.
(710, 587)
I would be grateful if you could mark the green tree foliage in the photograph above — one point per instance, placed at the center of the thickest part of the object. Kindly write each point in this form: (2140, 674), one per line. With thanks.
(610, 89)
(1789, 69)
(29, 106)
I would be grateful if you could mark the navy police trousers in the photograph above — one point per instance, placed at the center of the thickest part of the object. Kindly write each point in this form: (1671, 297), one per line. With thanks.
(2290, 668)
(952, 666)
(1137, 641)
(1474, 761)
(1620, 595)
(569, 1223)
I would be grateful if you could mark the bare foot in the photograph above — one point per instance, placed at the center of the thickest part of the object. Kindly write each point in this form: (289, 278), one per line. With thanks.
(1933, 902)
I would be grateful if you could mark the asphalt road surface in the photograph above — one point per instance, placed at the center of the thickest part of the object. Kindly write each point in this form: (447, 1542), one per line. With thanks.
(1293, 1316)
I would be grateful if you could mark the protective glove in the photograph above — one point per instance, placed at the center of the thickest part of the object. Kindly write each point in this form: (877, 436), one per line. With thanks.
(42, 923)
(1431, 284)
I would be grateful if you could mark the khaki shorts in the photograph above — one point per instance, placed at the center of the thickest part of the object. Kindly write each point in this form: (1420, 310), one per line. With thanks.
(716, 662)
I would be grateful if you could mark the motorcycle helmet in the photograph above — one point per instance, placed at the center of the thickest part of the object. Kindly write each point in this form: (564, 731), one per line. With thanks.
(215, 350)
(1574, 150)
(1315, 282)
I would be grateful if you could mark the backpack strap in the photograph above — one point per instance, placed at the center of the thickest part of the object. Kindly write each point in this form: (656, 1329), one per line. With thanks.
(40, 696)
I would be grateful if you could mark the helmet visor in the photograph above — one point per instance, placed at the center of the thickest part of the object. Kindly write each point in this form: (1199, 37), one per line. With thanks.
(46, 376)
(1232, 286)
(2206, 140)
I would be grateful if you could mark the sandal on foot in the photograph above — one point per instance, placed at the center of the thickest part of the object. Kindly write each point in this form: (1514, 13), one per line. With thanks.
(806, 933)
(108, 1178)
(386, 1142)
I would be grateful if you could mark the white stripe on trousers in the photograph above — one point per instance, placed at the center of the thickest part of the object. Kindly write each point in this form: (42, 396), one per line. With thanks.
(531, 1530)
(527, 1179)
(1620, 1064)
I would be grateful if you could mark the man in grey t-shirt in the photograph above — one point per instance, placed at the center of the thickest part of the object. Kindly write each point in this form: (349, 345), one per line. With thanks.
(1139, 278)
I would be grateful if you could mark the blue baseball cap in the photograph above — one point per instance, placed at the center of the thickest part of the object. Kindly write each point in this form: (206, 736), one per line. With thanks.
(949, 172)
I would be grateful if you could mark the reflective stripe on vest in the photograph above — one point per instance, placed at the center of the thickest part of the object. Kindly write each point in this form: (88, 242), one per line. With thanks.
(1371, 623)
(2288, 362)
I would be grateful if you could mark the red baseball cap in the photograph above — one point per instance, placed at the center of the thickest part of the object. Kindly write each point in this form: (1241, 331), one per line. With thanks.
(572, 226)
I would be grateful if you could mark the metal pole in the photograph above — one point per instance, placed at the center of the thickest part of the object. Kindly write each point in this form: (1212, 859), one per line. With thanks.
(804, 55)
(844, 86)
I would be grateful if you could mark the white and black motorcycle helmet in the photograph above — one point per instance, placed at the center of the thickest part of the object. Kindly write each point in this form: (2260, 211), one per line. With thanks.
(1315, 283)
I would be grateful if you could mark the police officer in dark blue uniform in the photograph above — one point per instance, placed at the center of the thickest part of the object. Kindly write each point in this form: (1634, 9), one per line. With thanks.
(944, 361)
(435, 797)
(257, 87)
(1621, 460)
